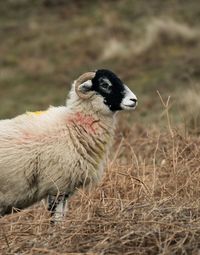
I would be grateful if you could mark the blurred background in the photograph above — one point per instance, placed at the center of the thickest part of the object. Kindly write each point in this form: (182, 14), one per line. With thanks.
(152, 45)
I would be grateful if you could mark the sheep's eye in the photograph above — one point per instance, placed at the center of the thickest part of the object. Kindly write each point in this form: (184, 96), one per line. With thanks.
(105, 85)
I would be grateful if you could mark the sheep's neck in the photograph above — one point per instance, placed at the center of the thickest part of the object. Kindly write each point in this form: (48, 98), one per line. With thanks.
(92, 134)
(92, 124)
(86, 121)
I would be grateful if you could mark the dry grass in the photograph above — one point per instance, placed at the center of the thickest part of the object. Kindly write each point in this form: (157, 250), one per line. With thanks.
(148, 203)
(190, 105)
(158, 31)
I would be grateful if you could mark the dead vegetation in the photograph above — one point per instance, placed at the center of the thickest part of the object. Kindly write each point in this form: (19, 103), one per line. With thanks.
(157, 31)
(148, 203)
(190, 104)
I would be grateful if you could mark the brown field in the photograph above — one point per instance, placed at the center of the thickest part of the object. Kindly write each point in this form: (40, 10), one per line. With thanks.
(148, 201)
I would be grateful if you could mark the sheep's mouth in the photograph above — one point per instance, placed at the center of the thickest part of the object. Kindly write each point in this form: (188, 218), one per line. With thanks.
(131, 106)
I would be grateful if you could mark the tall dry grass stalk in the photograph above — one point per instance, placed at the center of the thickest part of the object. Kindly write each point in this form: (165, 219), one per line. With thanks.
(189, 106)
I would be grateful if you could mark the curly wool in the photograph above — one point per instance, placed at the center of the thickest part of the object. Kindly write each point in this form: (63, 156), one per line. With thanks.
(51, 152)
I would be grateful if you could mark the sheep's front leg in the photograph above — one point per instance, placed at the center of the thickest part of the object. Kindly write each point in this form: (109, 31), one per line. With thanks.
(57, 205)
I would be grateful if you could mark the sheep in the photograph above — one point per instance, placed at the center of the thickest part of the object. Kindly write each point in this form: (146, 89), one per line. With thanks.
(52, 153)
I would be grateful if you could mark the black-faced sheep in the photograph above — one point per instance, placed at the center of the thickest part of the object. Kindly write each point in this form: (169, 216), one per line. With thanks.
(52, 153)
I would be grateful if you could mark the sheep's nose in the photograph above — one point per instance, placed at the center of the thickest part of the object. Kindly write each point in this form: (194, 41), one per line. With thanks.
(134, 102)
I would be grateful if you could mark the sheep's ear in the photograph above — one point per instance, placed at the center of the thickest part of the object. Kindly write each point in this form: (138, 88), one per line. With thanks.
(85, 87)
(84, 84)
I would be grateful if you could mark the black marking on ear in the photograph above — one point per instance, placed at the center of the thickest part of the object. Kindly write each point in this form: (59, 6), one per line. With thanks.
(110, 87)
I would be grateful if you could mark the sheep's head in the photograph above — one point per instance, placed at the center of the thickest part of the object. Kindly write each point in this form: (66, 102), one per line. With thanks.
(103, 86)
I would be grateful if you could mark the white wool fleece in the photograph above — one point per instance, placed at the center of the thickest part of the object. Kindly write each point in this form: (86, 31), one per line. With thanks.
(52, 152)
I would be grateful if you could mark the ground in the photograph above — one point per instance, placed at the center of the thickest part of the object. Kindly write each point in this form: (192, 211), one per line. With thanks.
(148, 200)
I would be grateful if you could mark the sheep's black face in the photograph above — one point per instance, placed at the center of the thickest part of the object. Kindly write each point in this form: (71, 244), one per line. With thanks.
(117, 96)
